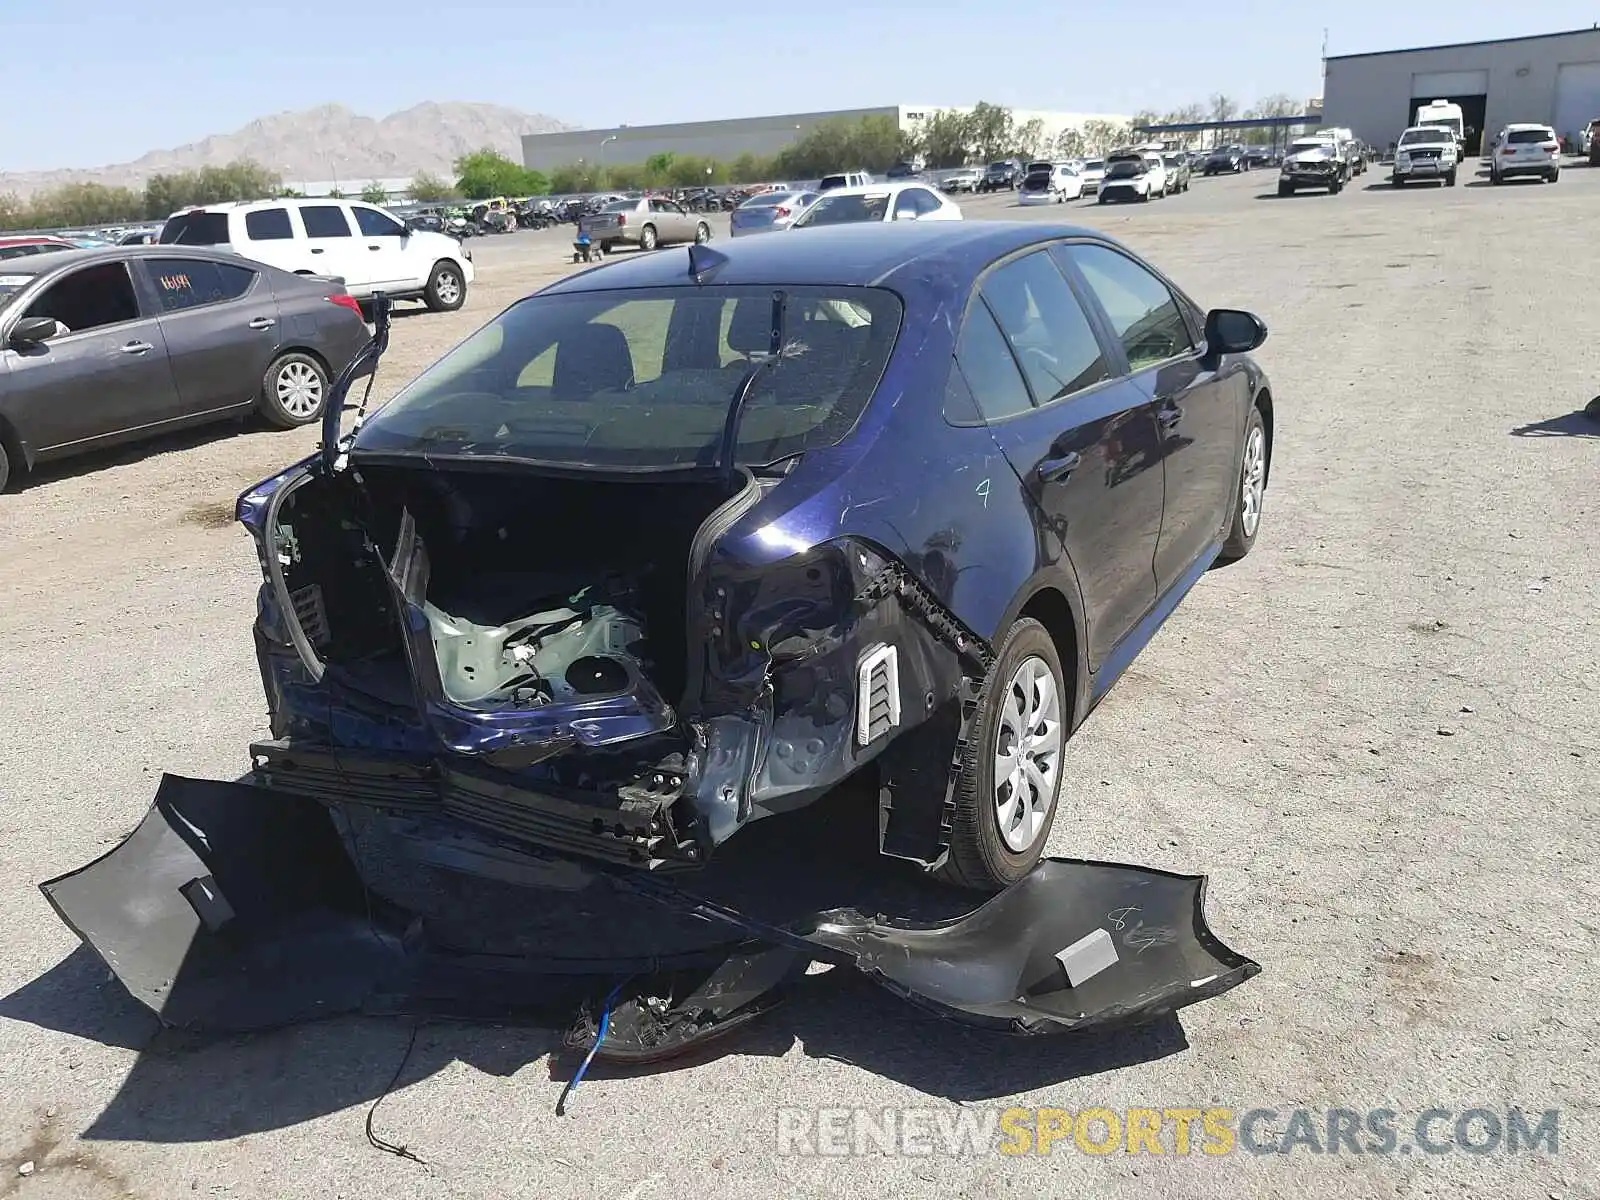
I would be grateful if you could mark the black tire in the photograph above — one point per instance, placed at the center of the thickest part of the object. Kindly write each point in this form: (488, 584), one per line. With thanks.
(1496, 178)
(979, 856)
(1553, 177)
(1396, 181)
(702, 234)
(1450, 179)
(1242, 530)
(447, 288)
(5, 467)
(1335, 188)
(1286, 189)
(647, 238)
(280, 402)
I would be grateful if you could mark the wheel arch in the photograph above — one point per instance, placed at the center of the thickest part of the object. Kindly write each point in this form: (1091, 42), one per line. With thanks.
(17, 449)
(1263, 401)
(1058, 605)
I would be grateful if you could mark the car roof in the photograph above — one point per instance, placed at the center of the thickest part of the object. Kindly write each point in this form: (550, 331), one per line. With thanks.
(40, 264)
(871, 254)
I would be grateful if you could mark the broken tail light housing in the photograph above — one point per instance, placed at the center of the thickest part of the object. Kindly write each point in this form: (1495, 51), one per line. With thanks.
(346, 300)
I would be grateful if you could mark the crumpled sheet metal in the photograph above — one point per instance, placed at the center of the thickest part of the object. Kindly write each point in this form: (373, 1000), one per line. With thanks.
(234, 907)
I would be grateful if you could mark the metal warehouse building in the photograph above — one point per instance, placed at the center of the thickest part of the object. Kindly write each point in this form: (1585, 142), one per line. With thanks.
(726, 140)
(1553, 77)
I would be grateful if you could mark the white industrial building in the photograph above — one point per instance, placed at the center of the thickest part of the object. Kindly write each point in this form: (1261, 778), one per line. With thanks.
(1552, 78)
(727, 140)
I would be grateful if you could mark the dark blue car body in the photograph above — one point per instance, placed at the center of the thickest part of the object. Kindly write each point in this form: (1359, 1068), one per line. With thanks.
(927, 528)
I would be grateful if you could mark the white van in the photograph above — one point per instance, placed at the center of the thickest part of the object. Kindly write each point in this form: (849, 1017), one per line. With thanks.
(1442, 114)
(845, 179)
(369, 249)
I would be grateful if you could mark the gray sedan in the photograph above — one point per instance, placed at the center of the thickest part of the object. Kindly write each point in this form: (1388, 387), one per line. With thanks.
(768, 211)
(647, 223)
(106, 346)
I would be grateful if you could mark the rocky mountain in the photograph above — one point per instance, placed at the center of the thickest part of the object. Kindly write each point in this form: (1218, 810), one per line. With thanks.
(330, 142)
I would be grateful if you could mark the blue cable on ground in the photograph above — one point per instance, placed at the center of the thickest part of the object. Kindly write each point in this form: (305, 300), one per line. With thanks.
(583, 1067)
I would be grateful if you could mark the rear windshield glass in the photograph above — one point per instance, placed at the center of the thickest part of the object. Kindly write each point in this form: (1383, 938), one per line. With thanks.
(1524, 136)
(768, 200)
(832, 181)
(846, 210)
(621, 206)
(1127, 166)
(195, 229)
(1037, 179)
(642, 378)
(1095, 164)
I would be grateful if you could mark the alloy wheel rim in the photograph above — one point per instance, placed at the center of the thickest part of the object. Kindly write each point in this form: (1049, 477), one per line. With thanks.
(1253, 481)
(1027, 754)
(448, 287)
(299, 389)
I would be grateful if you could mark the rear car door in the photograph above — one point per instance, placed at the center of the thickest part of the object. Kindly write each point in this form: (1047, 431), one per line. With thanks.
(108, 375)
(1080, 436)
(1200, 412)
(220, 321)
(333, 246)
(384, 243)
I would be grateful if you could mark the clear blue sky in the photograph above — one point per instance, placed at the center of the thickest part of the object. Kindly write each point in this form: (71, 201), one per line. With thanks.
(106, 80)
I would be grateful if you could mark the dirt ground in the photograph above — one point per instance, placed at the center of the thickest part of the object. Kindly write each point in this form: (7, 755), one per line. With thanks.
(1377, 736)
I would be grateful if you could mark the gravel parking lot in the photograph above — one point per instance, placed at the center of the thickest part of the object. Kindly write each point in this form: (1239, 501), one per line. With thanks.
(1377, 735)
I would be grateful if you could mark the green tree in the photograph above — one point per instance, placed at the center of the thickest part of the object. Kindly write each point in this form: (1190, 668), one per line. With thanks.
(1070, 143)
(992, 129)
(944, 139)
(375, 193)
(428, 186)
(1029, 138)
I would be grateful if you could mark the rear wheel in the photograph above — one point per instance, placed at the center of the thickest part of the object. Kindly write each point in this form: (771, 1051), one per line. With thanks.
(1010, 775)
(446, 290)
(5, 467)
(1450, 179)
(293, 390)
(1553, 176)
(1252, 493)
(1286, 189)
(647, 238)
(702, 234)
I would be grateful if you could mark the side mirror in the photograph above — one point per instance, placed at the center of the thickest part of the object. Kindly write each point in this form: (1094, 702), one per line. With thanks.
(1233, 331)
(31, 331)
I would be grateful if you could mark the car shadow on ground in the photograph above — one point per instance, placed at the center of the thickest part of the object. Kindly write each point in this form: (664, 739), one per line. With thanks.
(190, 1088)
(1584, 423)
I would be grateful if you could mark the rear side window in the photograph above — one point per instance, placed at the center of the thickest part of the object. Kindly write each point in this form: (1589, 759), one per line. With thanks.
(196, 229)
(1143, 312)
(1046, 326)
(184, 283)
(268, 225)
(376, 224)
(324, 221)
(1522, 137)
(832, 181)
(986, 374)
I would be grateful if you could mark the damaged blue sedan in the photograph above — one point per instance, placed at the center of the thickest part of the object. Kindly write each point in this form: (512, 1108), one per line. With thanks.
(683, 542)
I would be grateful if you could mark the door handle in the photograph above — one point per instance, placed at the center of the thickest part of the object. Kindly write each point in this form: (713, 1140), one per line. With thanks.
(1051, 470)
(137, 348)
(1169, 415)
(316, 249)
(262, 323)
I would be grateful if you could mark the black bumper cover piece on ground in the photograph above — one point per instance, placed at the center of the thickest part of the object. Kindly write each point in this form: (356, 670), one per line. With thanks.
(234, 907)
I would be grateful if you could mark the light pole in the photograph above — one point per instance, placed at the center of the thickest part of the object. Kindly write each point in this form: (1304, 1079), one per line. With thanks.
(602, 151)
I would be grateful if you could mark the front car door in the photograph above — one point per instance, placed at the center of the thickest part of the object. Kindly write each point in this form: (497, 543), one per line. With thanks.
(334, 249)
(1200, 412)
(220, 321)
(673, 224)
(1079, 435)
(106, 376)
(383, 240)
